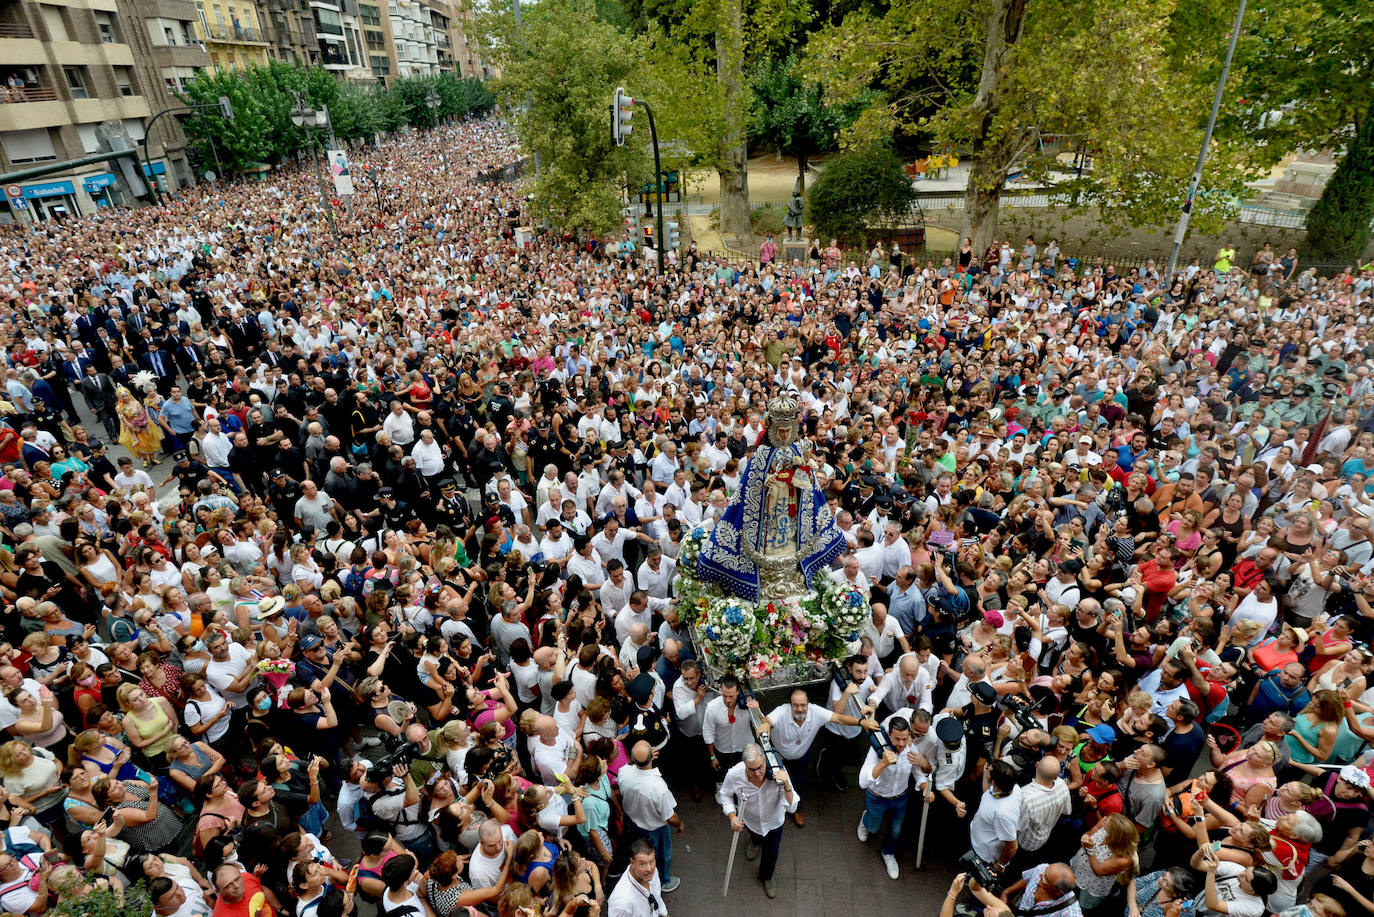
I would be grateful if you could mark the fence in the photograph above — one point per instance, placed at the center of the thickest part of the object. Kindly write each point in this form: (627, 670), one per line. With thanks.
(28, 94)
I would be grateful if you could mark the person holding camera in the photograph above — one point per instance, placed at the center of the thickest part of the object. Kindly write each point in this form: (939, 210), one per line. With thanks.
(397, 803)
(1047, 890)
(994, 906)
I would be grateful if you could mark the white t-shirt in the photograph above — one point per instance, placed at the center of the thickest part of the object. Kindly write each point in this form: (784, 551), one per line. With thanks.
(995, 824)
(221, 674)
(1238, 903)
(484, 871)
(197, 711)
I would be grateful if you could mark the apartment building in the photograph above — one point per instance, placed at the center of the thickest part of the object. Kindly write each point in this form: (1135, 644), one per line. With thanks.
(73, 71)
(233, 33)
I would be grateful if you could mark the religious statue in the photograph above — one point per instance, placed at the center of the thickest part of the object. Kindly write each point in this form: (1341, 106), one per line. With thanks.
(792, 220)
(778, 532)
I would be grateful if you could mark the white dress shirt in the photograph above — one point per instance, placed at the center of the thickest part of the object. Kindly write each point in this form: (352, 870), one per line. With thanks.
(761, 808)
(656, 582)
(645, 797)
(892, 782)
(630, 899)
(722, 734)
(429, 458)
(852, 708)
(686, 709)
(792, 739)
(897, 693)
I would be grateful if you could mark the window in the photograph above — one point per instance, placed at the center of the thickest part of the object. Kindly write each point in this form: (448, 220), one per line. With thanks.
(168, 36)
(171, 83)
(28, 146)
(107, 33)
(76, 82)
(381, 66)
(370, 15)
(56, 24)
(124, 79)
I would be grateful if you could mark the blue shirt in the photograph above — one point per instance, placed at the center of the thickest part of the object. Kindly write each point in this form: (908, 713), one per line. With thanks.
(909, 607)
(179, 415)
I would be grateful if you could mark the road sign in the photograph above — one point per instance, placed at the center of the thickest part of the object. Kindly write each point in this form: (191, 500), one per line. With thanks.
(14, 191)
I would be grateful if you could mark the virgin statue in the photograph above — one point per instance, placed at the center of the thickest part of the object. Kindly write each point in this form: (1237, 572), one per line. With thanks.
(778, 532)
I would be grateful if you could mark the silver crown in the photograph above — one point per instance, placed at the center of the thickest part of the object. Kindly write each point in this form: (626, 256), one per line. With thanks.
(784, 410)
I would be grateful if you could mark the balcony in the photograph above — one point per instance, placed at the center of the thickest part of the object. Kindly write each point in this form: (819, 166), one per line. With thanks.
(28, 94)
(242, 35)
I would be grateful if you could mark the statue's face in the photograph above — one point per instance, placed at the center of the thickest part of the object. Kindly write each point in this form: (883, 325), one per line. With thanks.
(784, 434)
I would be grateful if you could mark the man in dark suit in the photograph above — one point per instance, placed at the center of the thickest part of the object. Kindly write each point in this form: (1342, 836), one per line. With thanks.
(189, 357)
(245, 335)
(161, 365)
(120, 372)
(99, 391)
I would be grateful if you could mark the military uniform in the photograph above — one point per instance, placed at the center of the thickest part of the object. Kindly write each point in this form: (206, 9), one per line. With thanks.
(452, 509)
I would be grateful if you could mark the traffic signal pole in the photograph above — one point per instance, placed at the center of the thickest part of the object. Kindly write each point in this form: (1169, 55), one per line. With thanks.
(660, 243)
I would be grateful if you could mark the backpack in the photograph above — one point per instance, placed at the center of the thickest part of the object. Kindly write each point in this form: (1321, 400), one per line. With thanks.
(356, 582)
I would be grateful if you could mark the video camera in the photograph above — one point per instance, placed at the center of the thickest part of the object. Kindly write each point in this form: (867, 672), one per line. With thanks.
(402, 752)
(1023, 713)
(981, 872)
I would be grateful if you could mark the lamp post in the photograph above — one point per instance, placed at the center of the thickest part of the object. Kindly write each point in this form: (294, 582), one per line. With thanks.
(303, 115)
(376, 182)
(432, 102)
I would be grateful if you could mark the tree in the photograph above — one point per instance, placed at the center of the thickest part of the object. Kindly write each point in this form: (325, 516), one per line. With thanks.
(792, 116)
(1338, 224)
(1020, 83)
(558, 72)
(1305, 79)
(857, 190)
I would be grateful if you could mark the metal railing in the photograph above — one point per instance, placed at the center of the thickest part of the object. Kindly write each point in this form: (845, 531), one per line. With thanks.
(232, 33)
(28, 94)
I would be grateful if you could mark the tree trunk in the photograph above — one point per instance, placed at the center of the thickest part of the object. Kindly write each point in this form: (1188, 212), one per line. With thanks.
(732, 155)
(802, 161)
(994, 145)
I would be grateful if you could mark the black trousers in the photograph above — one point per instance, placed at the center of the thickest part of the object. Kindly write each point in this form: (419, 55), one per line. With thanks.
(770, 842)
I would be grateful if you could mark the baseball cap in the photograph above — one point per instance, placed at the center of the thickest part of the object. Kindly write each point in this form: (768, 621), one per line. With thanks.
(311, 641)
(1102, 734)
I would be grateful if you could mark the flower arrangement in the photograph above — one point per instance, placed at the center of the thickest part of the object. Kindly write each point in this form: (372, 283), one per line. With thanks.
(770, 637)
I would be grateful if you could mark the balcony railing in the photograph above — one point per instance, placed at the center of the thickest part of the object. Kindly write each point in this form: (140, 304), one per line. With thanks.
(15, 30)
(233, 33)
(28, 94)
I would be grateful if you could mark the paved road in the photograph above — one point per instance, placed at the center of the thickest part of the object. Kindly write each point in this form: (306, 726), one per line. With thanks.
(822, 871)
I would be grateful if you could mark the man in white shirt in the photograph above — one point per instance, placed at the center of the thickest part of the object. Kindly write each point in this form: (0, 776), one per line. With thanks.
(651, 808)
(615, 592)
(1044, 801)
(586, 563)
(130, 478)
(909, 685)
(556, 545)
(638, 893)
(655, 575)
(883, 778)
(754, 799)
(993, 831)
(793, 727)
(552, 752)
(429, 457)
(639, 609)
(399, 426)
(230, 670)
(495, 842)
(850, 575)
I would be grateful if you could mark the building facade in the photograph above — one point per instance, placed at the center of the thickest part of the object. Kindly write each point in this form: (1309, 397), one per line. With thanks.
(233, 33)
(84, 76)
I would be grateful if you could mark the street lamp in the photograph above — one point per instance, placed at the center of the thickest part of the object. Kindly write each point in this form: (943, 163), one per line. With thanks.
(432, 101)
(303, 115)
(375, 180)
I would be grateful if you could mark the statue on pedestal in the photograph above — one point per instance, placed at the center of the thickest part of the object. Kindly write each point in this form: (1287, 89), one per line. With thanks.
(778, 532)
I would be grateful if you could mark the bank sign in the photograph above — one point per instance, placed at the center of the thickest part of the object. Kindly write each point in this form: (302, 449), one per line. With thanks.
(52, 189)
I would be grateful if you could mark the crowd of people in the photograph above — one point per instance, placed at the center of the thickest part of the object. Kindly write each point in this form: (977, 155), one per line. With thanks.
(408, 572)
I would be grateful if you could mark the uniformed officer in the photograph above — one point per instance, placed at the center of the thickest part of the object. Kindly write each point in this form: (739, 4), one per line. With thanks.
(282, 493)
(453, 509)
(1272, 416)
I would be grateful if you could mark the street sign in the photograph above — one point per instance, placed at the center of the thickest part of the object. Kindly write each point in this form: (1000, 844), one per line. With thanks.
(14, 191)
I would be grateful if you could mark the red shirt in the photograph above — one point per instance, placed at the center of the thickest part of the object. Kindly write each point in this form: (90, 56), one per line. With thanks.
(253, 903)
(1158, 581)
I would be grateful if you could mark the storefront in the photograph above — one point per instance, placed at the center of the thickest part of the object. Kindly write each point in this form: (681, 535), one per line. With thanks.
(102, 190)
(52, 200)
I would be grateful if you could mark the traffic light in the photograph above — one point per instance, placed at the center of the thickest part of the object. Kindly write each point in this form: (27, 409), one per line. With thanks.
(622, 116)
(674, 237)
(630, 217)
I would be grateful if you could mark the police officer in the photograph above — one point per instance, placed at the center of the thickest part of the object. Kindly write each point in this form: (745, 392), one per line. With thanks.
(391, 513)
(453, 509)
(188, 472)
(282, 493)
(500, 408)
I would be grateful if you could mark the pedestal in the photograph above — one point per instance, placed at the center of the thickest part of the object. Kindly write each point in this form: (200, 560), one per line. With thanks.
(793, 250)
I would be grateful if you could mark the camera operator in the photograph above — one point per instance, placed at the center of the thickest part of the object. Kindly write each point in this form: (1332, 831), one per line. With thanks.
(985, 897)
(1047, 890)
(398, 804)
(1025, 751)
(993, 830)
